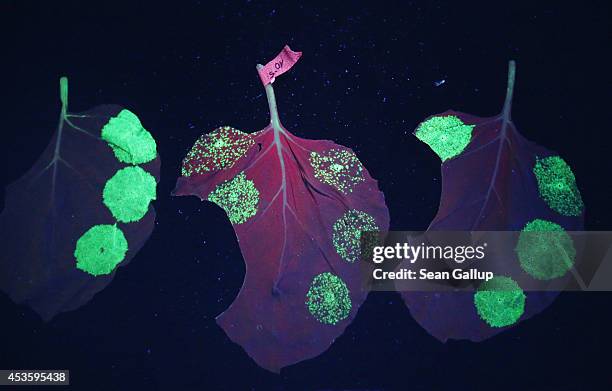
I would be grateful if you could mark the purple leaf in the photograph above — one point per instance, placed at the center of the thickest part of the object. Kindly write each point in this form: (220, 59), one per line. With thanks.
(493, 179)
(297, 207)
(61, 229)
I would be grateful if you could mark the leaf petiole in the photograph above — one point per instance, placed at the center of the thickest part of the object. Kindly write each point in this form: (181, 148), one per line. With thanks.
(274, 119)
(509, 91)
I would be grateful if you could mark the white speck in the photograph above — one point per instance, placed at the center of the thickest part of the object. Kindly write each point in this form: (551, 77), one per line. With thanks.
(439, 82)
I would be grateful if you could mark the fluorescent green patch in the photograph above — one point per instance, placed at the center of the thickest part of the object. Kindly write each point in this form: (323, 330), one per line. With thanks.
(131, 143)
(346, 235)
(218, 150)
(100, 249)
(447, 136)
(545, 250)
(238, 197)
(557, 186)
(128, 193)
(500, 301)
(338, 168)
(328, 299)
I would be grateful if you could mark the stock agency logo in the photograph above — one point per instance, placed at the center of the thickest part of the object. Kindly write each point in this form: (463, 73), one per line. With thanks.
(437, 261)
(429, 262)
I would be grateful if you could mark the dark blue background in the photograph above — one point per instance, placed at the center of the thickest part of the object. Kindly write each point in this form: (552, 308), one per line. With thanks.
(366, 80)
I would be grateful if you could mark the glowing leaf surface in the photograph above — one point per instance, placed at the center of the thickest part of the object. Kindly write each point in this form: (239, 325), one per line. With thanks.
(297, 207)
(63, 224)
(493, 179)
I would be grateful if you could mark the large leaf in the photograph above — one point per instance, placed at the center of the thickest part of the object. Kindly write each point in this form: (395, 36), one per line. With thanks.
(80, 211)
(493, 179)
(298, 207)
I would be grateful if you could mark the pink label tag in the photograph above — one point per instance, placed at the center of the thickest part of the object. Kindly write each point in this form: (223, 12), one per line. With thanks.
(281, 64)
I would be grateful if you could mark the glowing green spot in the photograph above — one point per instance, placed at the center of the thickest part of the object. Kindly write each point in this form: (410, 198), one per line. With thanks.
(500, 301)
(220, 144)
(128, 193)
(131, 142)
(217, 150)
(447, 136)
(339, 168)
(328, 299)
(346, 235)
(545, 250)
(238, 197)
(557, 186)
(100, 249)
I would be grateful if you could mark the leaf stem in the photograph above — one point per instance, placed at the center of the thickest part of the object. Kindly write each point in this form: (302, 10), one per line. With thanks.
(274, 119)
(509, 90)
(64, 93)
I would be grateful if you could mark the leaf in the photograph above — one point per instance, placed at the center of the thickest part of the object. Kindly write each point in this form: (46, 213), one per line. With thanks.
(79, 212)
(298, 207)
(493, 179)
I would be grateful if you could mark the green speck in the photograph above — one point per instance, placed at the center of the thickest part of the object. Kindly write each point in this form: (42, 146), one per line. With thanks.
(338, 168)
(131, 143)
(328, 299)
(218, 150)
(557, 186)
(346, 235)
(100, 249)
(447, 136)
(238, 197)
(128, 193)
(545, 251)
(500, 301)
